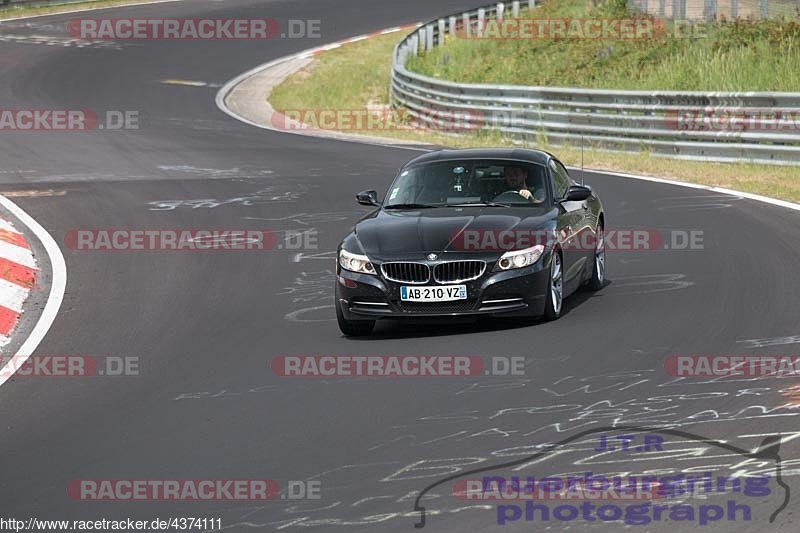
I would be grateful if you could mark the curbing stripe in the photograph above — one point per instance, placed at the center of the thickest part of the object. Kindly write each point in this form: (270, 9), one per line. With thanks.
(12, 237)
(17, 254)
(16, 273)
(8, 319)
(12, 296)
(58, 286)
(8, 226)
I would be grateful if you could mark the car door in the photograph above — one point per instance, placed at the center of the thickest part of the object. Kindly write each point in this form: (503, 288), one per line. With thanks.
(571, 222)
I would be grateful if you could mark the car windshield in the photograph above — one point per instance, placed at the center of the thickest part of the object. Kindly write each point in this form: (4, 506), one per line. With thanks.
(492, 183)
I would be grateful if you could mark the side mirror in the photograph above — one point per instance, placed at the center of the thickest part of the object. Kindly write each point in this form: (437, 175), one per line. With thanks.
(577, 193)
(368, 198)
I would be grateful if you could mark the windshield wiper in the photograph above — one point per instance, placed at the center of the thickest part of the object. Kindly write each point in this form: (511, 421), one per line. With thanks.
(410, 206)
(487, 204)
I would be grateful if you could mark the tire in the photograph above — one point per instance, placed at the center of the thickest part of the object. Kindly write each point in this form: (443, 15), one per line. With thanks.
(554, 300)
(353, 328)
(599, 266)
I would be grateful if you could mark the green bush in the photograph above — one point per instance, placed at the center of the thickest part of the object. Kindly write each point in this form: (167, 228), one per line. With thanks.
(743, 55)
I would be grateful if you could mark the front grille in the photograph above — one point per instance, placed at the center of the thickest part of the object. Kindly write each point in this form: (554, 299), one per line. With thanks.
(461, 306)
(406, 272)
(458, 271)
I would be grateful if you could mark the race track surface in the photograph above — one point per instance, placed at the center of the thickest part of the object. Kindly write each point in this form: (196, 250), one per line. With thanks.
(206, 325)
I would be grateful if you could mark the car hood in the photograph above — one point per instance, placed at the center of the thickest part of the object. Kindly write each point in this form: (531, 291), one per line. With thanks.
(395, 233)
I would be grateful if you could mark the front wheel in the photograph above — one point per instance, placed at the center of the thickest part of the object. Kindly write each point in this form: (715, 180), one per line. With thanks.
(353, 328)
(599, 268)
(555, 288)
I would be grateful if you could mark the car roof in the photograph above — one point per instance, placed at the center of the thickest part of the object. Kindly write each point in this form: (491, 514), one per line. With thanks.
(519, 154)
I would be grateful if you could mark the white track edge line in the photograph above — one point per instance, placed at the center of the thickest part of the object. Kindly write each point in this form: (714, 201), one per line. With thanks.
(219, 100)
(58, 286)
(750, 196)
(229, 86)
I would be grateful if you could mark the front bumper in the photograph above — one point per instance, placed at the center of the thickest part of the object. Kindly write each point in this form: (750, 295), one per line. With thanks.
(520, 292)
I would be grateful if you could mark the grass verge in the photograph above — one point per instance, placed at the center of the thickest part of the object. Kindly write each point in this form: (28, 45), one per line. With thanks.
(743, 55)
(356, 76)
(29, 11)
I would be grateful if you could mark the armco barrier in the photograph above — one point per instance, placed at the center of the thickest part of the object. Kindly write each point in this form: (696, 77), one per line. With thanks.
(748, 126)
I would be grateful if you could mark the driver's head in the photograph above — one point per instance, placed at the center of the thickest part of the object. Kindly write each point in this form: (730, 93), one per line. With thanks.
(515, 177)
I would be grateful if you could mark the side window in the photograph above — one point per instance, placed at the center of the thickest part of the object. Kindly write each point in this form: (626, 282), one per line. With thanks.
(561, 180)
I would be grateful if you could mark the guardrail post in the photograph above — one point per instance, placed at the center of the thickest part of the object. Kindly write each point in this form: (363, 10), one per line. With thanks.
(531, 4)
(763, 8)
(429, 37)
(735, 9)
(441, 32)
(679, 9)
(415, 45)
(421, 40)
(515, 8)
(662, 8)
(465, 20)
(710, 9)
(500, 10)
(481, 21)
(452, 23)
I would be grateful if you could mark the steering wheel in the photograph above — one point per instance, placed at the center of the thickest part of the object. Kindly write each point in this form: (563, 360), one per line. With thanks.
(509, 195)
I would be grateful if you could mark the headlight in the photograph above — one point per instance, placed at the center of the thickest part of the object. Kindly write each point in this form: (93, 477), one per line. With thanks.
(521, 258)
(355, 262)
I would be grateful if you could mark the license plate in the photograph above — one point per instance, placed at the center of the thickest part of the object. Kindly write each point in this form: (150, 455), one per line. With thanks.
(446, 293)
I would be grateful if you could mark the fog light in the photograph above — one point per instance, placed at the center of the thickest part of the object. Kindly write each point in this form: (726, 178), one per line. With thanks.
(349, 283)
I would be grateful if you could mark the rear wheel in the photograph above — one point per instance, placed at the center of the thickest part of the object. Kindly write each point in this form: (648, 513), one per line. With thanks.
(599, 268)
(555, 288)
(353, 328)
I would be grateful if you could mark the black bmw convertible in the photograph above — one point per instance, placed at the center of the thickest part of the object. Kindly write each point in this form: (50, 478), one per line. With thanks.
(499, 232)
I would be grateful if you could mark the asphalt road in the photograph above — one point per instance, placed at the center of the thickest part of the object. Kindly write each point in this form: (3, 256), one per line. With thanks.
(205, 326)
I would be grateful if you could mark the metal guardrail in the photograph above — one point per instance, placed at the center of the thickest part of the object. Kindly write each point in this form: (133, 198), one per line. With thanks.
(748, 126)
(717, 9)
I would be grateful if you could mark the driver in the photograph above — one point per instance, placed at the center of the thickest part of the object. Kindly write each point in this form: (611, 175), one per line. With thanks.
(515, 180)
